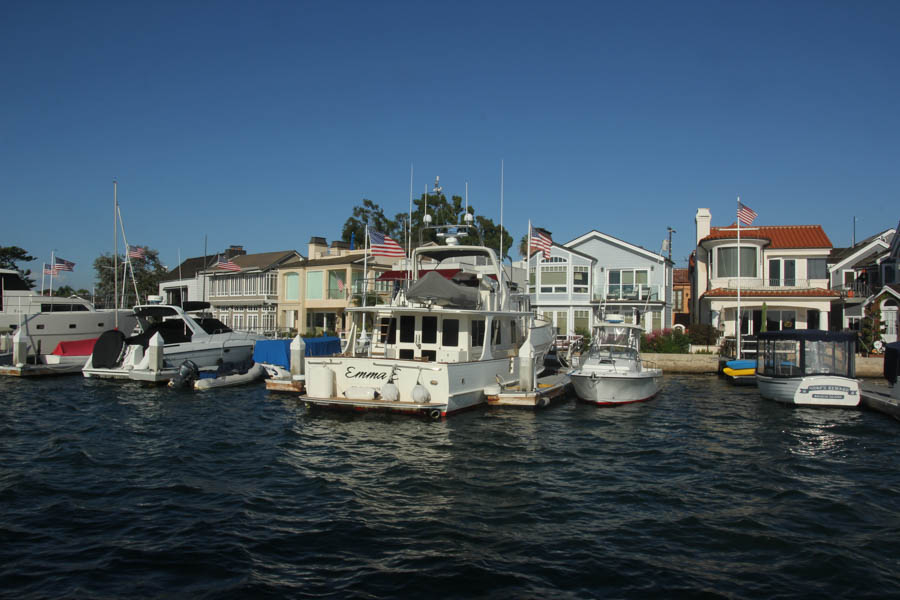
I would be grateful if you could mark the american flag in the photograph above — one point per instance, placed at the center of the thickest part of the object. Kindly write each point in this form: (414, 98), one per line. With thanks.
(540, 240)
(226, 264)
(61, 264)
(49, 271)
(383, 245)
(745, 214)
(136, 252)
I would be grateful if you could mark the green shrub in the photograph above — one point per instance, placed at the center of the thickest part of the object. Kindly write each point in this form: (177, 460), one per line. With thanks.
(666, 341)
(703, 334)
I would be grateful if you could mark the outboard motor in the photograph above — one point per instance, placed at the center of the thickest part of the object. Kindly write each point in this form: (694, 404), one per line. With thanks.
(187, 374)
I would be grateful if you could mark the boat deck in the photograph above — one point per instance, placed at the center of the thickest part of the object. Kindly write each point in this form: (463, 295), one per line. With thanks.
(549, 388)
(878, 397)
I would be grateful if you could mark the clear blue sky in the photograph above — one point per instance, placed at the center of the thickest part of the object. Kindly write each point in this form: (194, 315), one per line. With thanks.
(264, 123)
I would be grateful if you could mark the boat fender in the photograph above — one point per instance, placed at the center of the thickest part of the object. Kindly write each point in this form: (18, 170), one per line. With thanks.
(492, 390)
(390, 392)
(420, 394)
(360, 393)
(320, 382)
(187, 374)
(434, 414)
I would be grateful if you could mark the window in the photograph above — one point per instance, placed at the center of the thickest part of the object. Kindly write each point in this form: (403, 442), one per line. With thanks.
(580, 280)
(726, 262)
(407, 328)
(451, 333)
(314, 285)
(678, 301)
(553, 279)
(816, 268)
(238, 321)
(477, 333)
(774, 272)
(561, 322)
(776, 320)
(253, 322)
(582, 320)
(531, 282)
(292, 287)
(429, 330)
(270, 285)
(337, 284)
(628, 284)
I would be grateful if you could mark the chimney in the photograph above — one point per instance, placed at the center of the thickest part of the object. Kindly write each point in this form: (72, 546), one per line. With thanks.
(235, 251)
(702, 220)
(318, 247)
(339, 247)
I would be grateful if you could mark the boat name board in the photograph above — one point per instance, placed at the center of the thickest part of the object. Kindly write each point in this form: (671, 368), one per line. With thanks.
(352, 373)
(828, 388)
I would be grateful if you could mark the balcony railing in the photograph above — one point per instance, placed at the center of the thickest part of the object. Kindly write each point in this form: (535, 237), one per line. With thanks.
(770, 284)
(856, 290)
(627, 293)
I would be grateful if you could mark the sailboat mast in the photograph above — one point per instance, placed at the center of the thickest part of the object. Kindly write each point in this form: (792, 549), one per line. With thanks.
(116, 253)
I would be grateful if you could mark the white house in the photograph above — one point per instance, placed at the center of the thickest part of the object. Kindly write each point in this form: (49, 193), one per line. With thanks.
(596, 270)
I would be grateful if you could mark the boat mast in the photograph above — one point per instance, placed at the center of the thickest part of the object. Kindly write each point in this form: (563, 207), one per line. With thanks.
(501, 225)
(116, 253)
(737, 344)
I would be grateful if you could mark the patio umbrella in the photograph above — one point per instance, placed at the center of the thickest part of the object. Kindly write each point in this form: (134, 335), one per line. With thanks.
(765, 309)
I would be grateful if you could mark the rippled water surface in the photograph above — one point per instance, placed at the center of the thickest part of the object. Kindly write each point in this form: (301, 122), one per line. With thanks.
(122, 491)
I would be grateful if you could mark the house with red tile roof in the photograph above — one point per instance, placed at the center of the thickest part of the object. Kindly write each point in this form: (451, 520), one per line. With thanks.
(781, 271)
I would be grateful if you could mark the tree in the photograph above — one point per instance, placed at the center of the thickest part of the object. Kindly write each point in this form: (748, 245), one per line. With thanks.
(10, 255)
(371, 213)
(870, 329)
(147, 274)
(442, 211)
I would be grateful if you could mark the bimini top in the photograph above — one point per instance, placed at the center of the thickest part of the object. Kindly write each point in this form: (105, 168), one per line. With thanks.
(809, 335)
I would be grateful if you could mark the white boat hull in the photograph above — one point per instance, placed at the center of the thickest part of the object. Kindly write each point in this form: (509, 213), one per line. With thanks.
(608, 389)
(815, 390)
(446, 388)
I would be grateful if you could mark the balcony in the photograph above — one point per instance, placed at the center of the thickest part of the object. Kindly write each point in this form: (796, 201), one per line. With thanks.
(856, 290)
(628, 293)
(770, 284)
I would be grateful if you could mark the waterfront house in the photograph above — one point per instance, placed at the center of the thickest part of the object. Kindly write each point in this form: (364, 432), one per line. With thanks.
(315, 293)
(783, 274)
(857, 273)
(247, 298)
(599, 270)
(681, 297)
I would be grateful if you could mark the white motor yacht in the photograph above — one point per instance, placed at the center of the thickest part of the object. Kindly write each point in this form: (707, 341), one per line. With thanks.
(54, 330)
(612, 372)
(808, 367)
(203, 340)
(454, 327)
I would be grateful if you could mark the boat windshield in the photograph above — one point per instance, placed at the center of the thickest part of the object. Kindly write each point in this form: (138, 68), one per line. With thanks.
(609, 335)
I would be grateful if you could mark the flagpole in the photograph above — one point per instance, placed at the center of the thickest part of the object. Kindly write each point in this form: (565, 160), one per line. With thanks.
(528, 265)
(43, 277)
(501, 224)
(738, 332)
(52, 269)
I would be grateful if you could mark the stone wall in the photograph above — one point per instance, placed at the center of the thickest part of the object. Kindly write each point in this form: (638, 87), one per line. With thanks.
(709, 363)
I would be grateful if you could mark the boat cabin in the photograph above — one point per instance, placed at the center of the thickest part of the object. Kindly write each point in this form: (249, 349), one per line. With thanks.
(173, 324)
(805, 352)
(613, 340)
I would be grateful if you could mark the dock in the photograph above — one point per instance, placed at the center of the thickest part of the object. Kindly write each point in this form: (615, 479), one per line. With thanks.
(292, 386)
(879, 398)
(549, 388)
(41, 370)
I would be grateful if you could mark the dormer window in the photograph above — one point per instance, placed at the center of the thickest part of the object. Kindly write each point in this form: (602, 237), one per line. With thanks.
(726, 261)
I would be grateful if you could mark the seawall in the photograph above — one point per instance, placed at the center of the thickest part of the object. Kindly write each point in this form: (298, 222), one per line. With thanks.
(709, 363)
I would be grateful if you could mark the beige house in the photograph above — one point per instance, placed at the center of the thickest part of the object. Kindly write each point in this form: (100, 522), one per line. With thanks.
(315, 293)
(247, 299)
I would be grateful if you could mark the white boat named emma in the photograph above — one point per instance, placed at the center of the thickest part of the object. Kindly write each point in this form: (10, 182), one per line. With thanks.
(612, 371)
(808, 367)
(454, 328)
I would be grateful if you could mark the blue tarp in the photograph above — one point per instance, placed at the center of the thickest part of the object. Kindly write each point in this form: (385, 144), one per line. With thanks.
(278, 352)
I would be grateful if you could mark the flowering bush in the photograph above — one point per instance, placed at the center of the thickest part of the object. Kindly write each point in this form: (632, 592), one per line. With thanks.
(666, 341)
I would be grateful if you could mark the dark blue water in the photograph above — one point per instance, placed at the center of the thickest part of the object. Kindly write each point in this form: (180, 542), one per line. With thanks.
(112, 491)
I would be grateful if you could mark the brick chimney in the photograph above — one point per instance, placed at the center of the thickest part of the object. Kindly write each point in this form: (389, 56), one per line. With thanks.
(233, 251)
